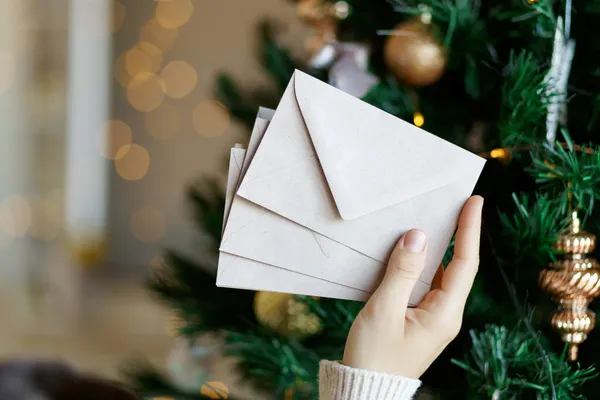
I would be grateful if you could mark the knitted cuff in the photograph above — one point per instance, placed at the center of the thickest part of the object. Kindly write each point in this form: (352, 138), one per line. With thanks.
(340, 382)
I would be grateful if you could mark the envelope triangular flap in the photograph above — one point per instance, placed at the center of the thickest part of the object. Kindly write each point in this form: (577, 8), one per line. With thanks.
(371, 159)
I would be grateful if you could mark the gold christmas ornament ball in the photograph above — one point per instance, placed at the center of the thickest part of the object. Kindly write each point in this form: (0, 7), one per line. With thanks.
(284, 314)
(414, 55)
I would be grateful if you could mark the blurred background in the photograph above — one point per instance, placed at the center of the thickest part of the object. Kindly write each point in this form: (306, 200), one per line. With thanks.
(107, 115)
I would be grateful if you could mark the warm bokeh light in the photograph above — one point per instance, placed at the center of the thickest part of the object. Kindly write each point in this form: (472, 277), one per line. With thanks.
(155, 54)
(15, 216)
(418, 119)
(137, 62)
(46, 221)
(146, 92)
(498, 153)
(180, 79)
(7, 71)
(119, 13)
(211, 118)
(161, 37)
(114, 139)
(164, 122)
(174, 14)
(148, 225)
(120, 71)
(132, 162)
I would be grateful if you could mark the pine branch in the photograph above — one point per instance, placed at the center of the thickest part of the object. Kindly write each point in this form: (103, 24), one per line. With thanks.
(569, 173)
(389, 96)
(537, 19)
(525, 100)
(505, 364)
(451, 16)
(275, 363)
(192, 292)
(228, 93)
(208, 202)
(532, 229)
(337, 317)
(276, 60)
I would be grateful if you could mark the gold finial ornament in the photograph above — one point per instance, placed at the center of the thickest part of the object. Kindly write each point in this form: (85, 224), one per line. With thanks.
(573, 283)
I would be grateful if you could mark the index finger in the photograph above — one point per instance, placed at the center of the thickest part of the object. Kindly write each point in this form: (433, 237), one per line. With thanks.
(459, 275)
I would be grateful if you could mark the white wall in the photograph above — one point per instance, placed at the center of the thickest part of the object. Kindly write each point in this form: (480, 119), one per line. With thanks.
(220, 36)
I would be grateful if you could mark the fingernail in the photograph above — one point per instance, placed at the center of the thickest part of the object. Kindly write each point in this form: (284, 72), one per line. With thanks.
(414, 241)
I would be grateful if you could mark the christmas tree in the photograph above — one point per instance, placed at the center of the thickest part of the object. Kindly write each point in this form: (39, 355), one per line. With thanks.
(502, 79)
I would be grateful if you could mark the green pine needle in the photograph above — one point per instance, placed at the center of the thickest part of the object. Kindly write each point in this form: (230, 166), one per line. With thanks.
(569, 173)
(505, 364)
(532, 228)
(525, 98)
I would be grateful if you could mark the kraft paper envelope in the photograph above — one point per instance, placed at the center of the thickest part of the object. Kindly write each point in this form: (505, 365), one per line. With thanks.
(352, 174)
(253, 231)
(239, 272)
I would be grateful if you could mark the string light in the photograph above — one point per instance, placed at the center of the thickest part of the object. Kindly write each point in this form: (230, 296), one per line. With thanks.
(180, 79)
(114, 138)
(418, 119)
(132, 162)
(155, 54)
(174, 14)
(499, 153)
(158, 35)
(137, 62)
(146, 92)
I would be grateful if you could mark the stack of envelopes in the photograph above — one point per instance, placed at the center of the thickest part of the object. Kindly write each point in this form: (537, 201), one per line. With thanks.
(325, 189)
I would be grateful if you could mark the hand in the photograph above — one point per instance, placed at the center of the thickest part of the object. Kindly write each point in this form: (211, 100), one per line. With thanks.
(387, 336)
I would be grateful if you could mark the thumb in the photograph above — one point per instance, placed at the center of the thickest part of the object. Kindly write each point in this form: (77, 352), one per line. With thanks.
(404, 269)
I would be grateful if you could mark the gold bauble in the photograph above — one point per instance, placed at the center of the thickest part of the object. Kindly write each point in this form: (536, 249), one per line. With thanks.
(312, 11)
(414, 55)
(285, 315)
(573, 283)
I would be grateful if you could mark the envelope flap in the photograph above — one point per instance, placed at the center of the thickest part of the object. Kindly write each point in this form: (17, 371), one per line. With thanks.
(371, 159)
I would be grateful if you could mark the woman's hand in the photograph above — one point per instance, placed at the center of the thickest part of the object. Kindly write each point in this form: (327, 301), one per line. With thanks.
(387, 336)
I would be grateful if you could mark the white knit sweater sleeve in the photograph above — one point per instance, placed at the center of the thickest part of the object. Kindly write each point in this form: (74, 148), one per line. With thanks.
(340, 382)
